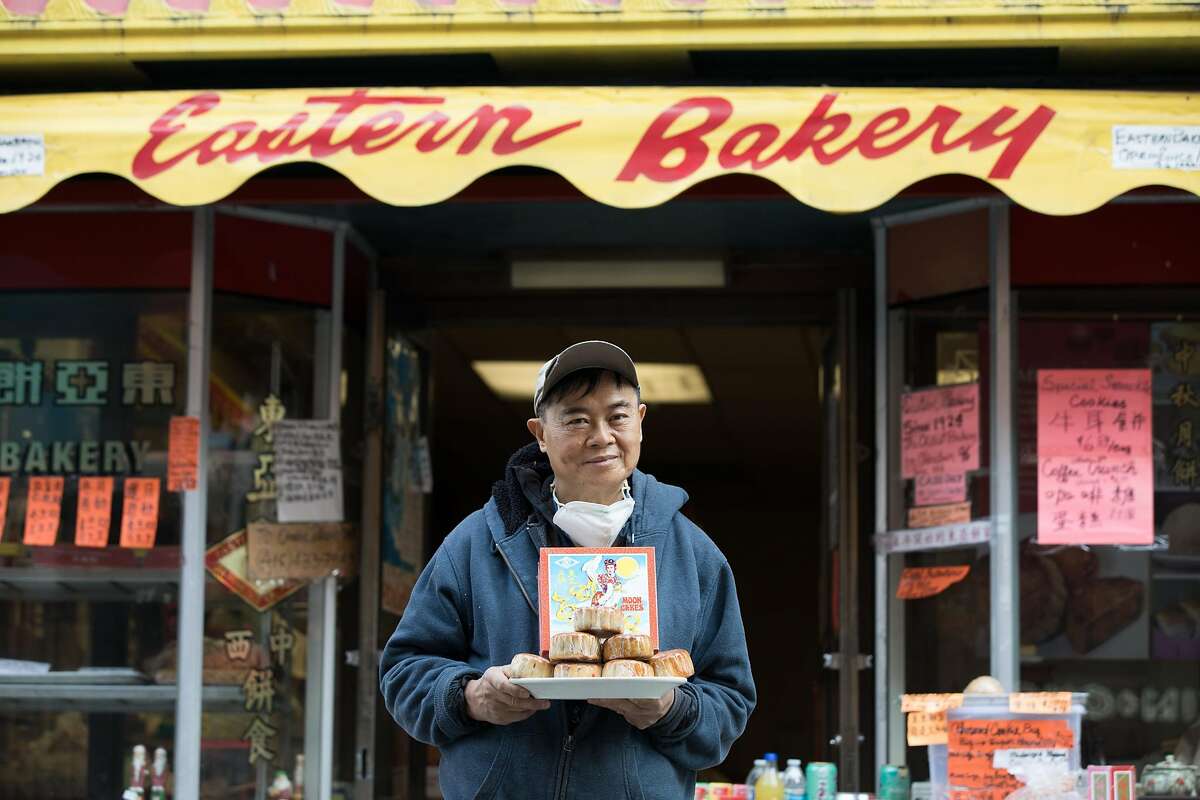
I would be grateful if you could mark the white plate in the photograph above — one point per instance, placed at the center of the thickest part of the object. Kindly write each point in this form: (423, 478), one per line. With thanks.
(598, 688)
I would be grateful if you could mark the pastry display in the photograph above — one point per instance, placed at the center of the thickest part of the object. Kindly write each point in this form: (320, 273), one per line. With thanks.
(672, 664)
(527, 665)
(1077, 566)
(627, 668)
(984, 684)
(627, 645)
(1101, 610)
(575, 646)
(568, 670)
(598, 621)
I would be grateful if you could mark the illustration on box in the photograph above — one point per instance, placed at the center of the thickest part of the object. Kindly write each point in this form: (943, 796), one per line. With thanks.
(616, 578)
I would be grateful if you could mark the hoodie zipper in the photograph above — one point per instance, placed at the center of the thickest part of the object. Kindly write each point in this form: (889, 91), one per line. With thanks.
(568, 750)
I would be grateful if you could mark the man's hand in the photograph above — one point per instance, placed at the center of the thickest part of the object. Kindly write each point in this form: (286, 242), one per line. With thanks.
(494, 698)
(641, 714)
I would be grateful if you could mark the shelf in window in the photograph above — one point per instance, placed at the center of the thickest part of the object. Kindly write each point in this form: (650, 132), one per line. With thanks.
(110, 699)
(1175, 575)
(132, 585)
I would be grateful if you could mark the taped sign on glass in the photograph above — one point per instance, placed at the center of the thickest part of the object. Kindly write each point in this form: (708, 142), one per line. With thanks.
(308, 471)
(22, 155)
(1175, 147)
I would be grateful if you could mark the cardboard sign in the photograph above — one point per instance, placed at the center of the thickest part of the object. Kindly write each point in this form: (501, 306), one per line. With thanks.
(139, 513)
(183, 454)
(939, 431)
(613, 577)
(228, 561)
(972, 752)
(920, 582)
(308, 471)
(1095, 457)
(926, 727)
(929, 702)
(43, 507)
(1040, 702)
(933, 516)
(93, 512)
(932, 490)
(301, 550)
(5, 487)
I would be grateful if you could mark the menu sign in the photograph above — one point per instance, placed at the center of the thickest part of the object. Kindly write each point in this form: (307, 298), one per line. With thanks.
(139, 513)
(974, 744)
(1095, 457)
(93, 512)
(308, 471)
(43, 507)
(183, 454)
(939, 441)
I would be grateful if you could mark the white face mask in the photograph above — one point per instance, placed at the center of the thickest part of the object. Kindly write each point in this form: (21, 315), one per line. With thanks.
(593, 524)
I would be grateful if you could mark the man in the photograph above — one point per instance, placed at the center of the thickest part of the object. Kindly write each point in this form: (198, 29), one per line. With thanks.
(444, 671)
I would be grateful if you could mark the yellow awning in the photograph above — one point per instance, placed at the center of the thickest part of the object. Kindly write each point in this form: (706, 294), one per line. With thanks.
(842, 150)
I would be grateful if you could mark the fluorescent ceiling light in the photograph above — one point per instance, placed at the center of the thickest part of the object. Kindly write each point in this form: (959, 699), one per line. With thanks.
(661, 383)
(611, 273)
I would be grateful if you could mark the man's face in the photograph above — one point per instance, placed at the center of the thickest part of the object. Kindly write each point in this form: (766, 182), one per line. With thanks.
(593, 441)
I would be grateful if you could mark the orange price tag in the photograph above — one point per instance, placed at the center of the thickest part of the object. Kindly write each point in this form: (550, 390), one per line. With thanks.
(933, 516)
(93, 512)
(1040, 703)
(139, 513)
(919, 582)
(5, 486)
(43, 507)
(183, 454)
(929, 703)
(927, 728)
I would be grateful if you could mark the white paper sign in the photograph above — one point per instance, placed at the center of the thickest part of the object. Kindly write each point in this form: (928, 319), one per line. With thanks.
(1020, 760)
(1156, 147)
(963, 534)
(22, 155)
(308, 471)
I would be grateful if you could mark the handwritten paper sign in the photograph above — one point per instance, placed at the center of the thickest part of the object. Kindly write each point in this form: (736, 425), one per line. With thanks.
(308, 471)
(939, 431)
(1095, 457)
(920, 582)
(1021, 760)
(1039, 702)
(139, 513)
(972, 752)
(5, 486)
(932, 516)
(183, 454)
(43, 507)
(930, 703)
(305, 550)
(93, 512)
(926, 727)
(933, 490)
(943, 536)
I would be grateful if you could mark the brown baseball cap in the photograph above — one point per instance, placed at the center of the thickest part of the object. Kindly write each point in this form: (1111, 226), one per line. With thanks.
(594, 354)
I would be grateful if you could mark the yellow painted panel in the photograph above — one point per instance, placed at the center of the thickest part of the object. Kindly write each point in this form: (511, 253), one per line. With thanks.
(841, 150)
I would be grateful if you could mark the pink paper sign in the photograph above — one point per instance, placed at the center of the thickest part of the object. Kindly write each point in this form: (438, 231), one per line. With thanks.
(1095, 457)
(939, 431)
(936, 490)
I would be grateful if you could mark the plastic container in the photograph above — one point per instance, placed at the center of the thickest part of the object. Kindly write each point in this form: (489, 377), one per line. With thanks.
(995, 707)
(769, 785)
(793, 781)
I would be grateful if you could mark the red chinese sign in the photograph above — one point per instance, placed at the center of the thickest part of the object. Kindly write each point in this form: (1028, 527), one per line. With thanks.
(183, 454)
(139, 513)
(93, 512)
(43, 508)
(1095, 457)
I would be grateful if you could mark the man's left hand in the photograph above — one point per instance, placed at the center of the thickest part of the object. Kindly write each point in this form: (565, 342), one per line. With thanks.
(641, 714)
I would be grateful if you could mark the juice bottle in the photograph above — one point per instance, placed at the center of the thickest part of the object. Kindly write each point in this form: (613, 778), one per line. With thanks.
(769, 785)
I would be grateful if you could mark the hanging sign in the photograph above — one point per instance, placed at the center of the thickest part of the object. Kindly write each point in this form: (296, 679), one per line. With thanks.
(43, 507)
(1095, 457)
(920, 582)
(228, 561)
(303, 550)
(93, 512)
(183, 454)
(308, 471)
(139, 513)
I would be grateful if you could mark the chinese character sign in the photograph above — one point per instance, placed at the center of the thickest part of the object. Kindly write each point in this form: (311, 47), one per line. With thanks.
(93, 512)
(1095, 457)
(139, 513)
(1175, 356)
(43, 508)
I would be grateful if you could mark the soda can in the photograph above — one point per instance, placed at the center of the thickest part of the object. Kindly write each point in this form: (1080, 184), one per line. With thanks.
(821, 778)
(894, 782)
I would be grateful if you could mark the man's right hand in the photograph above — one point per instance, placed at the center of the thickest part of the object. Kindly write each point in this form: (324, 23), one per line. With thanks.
(496, 699)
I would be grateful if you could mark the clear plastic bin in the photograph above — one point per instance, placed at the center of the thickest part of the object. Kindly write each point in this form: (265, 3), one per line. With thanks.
(995, 706)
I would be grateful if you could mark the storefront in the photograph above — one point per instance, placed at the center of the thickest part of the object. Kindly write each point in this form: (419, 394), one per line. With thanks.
(244, 316)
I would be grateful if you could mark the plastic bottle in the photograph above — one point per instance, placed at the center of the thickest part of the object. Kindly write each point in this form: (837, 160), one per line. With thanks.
(793, 781)
(760, 765)
(769, 785)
